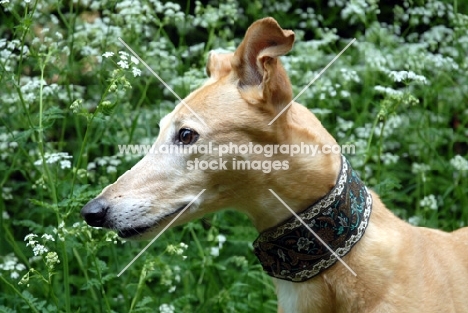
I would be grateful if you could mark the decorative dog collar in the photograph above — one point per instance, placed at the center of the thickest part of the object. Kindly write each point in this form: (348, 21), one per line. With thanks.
(291, 252)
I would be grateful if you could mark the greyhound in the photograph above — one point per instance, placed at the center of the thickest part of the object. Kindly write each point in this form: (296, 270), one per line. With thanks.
(339, 249)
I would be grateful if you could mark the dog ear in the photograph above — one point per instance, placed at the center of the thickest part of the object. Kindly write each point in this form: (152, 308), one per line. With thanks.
(256, 61)
(219, 64)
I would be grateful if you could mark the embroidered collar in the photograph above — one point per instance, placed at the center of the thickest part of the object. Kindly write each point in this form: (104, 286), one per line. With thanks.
(291, 252)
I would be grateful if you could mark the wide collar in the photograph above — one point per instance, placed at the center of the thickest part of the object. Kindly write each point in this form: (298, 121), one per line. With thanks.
(291, 252)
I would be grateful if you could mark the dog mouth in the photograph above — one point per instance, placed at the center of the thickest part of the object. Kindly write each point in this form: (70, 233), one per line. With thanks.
(131, 232)
(138, 231)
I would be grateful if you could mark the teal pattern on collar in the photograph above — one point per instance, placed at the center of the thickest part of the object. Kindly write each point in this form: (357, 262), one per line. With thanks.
(291, 252)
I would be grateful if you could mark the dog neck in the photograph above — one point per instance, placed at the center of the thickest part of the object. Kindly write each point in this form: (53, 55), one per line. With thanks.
(290, 251)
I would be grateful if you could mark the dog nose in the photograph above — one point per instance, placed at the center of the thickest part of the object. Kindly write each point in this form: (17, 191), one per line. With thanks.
(94, 212)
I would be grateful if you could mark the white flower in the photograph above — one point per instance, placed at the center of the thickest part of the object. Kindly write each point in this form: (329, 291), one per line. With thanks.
(101, 161)
(417, 168)
(10, 263)
(429, 202)
(214, 251)
(414, 220)
(52, 259)
(388, 90)
(389, 158)
(136, 72)
(30, 237)
(399, 76)
(108, 54)
(123, 64)
(111, 169)
(39, 250)
(123, 55)
(115, 162)
(6, 194)
(52, 158)
(134, 60)
(459, 163)
(65, 164)
(75, 106)
(31, 243)
(350, 75)
(166, 308)
(48, 237)
(221, 240)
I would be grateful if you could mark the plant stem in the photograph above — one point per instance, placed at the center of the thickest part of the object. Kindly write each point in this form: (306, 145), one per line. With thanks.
(19, 294)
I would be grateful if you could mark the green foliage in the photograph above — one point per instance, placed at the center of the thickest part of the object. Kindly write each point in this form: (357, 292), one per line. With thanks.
(71, 92)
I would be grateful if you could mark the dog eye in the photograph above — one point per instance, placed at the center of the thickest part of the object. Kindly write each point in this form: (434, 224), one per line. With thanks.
(187, 136)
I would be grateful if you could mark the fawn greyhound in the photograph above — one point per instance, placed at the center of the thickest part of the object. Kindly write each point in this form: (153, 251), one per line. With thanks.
(398, 267)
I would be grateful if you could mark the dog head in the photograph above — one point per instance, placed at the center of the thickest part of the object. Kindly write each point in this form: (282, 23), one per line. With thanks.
(246, 90)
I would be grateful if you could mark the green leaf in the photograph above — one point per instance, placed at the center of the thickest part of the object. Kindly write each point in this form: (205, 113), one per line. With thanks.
(93, 282)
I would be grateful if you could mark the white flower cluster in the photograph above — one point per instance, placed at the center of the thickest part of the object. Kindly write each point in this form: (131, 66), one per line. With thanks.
(5, 215)
(429, 202)
(10, 264)
(406, 76)
(51, 260)
(192, 78)
(357, 10)
(61, 231)
(7, 145)
(41, 252)
(388, 91)
(424, 14)
(38, 249)
(125, 61)
(420, 169)
(170, 277)
(62, 157)
(50, 42)
(209, 16)
(350, 75)
(177, 249)
(111, 163)
(76, 105)
(389, 158)
(310, 18)
(9, 55)
(30, 89)
(166, 308)
(459, 163)
(214, 251)
(415, 220)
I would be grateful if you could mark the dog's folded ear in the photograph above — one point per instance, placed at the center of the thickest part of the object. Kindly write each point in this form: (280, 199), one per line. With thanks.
(219, 64)
(256, 61)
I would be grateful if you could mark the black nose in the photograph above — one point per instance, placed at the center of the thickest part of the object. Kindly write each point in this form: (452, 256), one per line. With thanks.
(94, 212)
